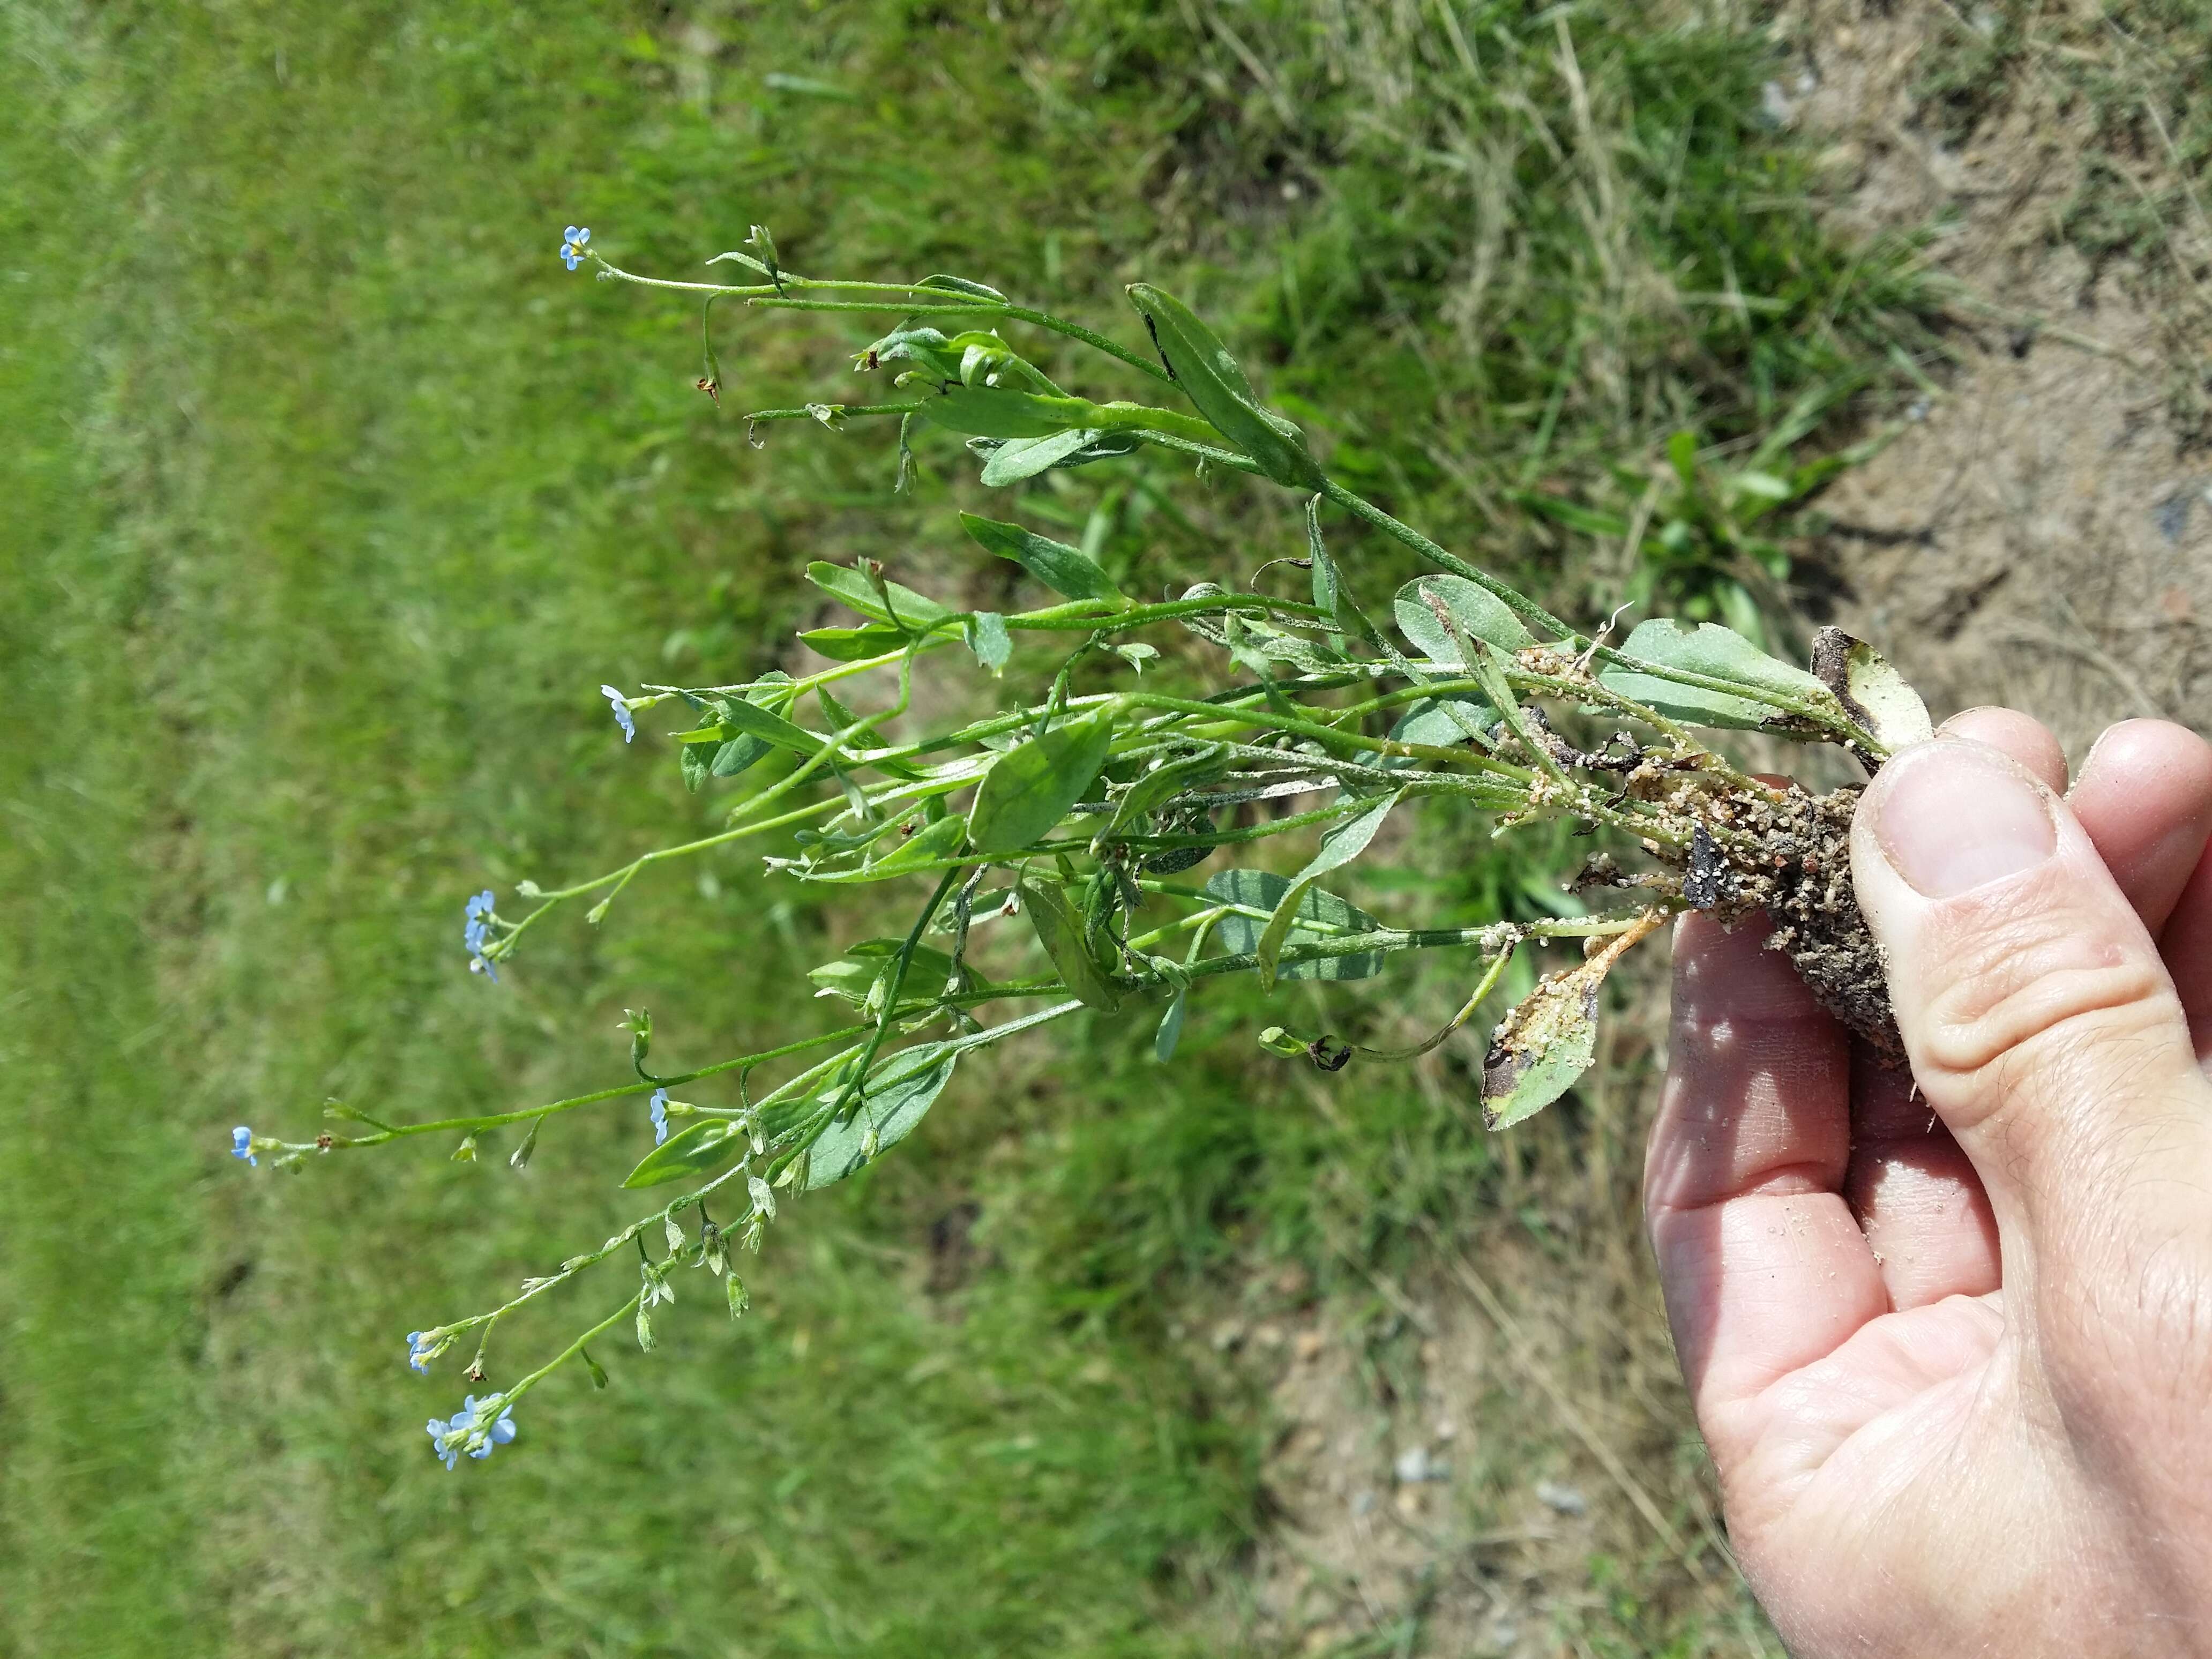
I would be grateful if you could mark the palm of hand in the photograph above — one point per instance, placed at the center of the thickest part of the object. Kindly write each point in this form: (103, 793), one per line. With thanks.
(1938, 1427)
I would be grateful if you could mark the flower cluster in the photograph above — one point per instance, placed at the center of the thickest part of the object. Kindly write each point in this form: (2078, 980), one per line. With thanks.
(241, 1145)
(422, 1348)
(622, 712)
(477, 932)
(472, 1430)
(572, 246)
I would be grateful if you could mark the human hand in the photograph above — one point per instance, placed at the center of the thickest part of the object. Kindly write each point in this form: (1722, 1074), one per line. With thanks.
(1951, 1346)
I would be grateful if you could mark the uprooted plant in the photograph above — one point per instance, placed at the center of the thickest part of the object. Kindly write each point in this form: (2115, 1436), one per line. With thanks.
(1087, 813)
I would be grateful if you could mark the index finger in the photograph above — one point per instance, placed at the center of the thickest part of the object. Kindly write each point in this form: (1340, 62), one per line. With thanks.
(1764, 1267)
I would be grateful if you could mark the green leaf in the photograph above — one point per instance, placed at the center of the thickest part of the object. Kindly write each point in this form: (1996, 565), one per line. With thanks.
(898, 1093)
(1025, 458)
(1321, 916)
(1161, 785)
(740, 719)
(698, 761)
(927, 845)
(961, 285)
(1342, 844)
(1872, 692)
(1061, 930)
(988, 639)
(1682, 455)
(1325, 586)
(1543, 1045)
(851, 644)
(1480, 614)
(1001, 412)
(1212, 381)
(856, 974)
(1009, 460)
(1456, 718)
(1030, 788)
(1718, 654)
(1065, 570)
(1170, 1031)
(695, 1151)
(916, 611)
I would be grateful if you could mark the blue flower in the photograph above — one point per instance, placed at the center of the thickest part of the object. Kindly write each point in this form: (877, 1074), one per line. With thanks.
(444, 1438)
(466, 1431)
(478, 933)
(241, 1145)
(419, 1350)
(659, 1103)
(497, 1432)
(572, 246)
(622, 712)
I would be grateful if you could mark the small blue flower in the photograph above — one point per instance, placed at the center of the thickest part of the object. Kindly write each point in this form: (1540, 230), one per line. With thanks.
(241, 1145)
(622, 712)
(478, 933)
(419, 1350)
(443, 1442)
(659, 1103)
(572, 246)
(498, 1431)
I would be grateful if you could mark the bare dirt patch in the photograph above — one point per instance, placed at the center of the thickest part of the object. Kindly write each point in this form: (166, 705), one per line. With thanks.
(2042, 533)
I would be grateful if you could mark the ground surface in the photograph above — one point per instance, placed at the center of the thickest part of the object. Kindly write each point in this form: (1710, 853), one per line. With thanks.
(333, 498)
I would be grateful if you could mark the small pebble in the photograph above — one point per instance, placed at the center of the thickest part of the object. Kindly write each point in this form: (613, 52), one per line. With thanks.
(1414, 1465)
(1561, 1497)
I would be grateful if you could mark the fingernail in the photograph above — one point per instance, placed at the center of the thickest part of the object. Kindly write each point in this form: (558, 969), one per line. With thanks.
(1954, 816)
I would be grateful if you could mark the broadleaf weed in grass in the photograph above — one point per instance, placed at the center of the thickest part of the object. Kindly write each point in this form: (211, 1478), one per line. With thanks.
(1087, 798)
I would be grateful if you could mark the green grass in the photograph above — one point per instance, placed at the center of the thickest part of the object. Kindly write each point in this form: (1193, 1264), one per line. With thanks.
(332, 498)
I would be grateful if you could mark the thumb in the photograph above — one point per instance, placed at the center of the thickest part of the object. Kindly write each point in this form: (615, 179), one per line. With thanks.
(2039, 1017)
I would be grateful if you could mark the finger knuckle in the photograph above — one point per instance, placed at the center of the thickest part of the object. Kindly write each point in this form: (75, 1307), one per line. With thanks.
(2029, 999)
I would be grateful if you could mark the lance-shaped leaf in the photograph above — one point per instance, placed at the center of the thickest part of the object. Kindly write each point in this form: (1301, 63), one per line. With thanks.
(1481, 615)
(1543, 1045)
(1872, 692)
(851, 644)
(1170, 1031)
(1549, 1039)
(1327, 587)
(1161, 785)
(853, 588)
(898, 1093)
(931, 844)
(1321, 916)
(1342, 844)
(853, 976)
(1061, 930)
(1214, 382)
(962, 285)
(1067, 570)
(728, 759)
(1009, 460)
(695, 1151)
(989, 411)
(740, 718)
(1016, 458)
(1443, 722)
(1717, 653)
(1030, 788)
